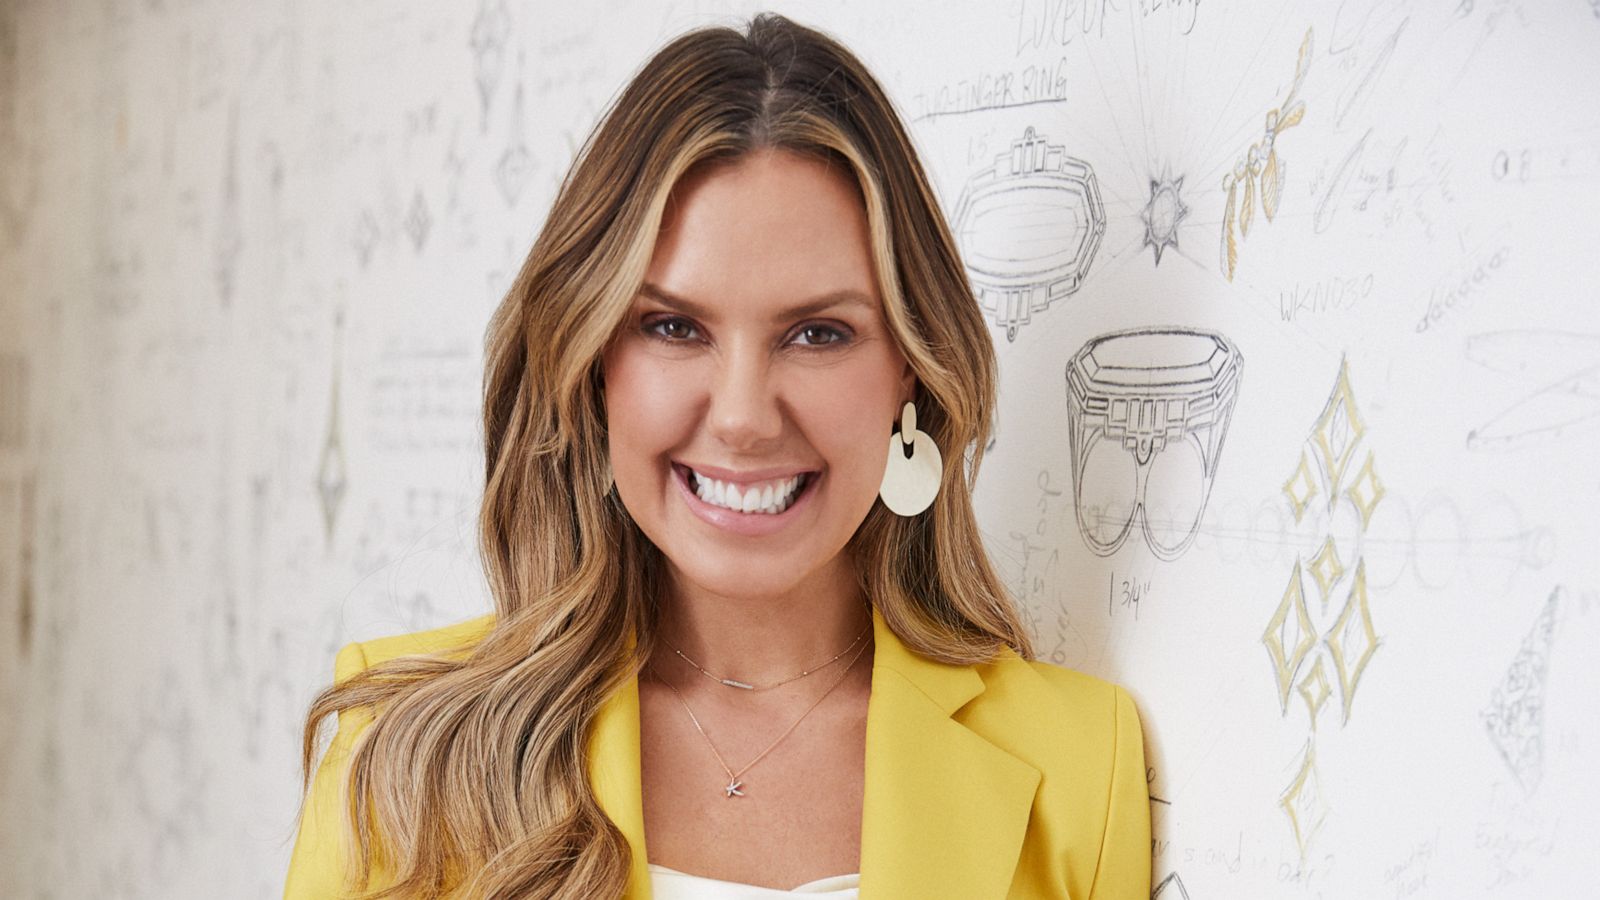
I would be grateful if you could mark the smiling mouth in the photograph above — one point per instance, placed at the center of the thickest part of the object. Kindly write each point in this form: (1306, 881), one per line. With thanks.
(694, 483)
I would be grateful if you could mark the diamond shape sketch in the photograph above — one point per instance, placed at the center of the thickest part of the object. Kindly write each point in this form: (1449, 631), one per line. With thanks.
(1327, 568)
(1303, 802)
(1289, 636)
(1314, 689)
(1341, 653)
(1365, 490)
(1301, 488)
(1337, 432)
(1515, 714)
(1352, 640)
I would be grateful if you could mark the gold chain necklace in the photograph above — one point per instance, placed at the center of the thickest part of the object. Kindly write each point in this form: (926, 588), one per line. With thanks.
(735, 787)
(750, 687)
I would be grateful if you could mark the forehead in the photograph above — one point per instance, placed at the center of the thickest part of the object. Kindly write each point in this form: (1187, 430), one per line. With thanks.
(769, 228)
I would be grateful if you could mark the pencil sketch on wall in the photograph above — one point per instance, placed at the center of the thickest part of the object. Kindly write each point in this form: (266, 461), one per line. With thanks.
(1143, 405)
(1163, 213)
(1028, 227)
(1170, 888)
(331, 478)
(1290, 636)
(1262, 163)
(491, 29)
(1306, 659)
(1560, 376)
(1303, 801)
(1515, 714)
(515, 166)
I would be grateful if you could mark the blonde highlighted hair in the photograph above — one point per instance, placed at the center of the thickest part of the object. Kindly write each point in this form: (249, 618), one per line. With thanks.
(472, 776)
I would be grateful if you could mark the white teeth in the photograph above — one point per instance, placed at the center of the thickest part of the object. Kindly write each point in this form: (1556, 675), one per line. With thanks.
(771, 498)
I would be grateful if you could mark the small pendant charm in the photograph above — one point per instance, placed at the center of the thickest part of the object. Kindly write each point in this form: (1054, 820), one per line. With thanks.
(738, 684)
(733, 788)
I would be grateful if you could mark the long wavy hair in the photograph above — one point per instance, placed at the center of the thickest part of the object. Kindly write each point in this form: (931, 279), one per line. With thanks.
(474, 776)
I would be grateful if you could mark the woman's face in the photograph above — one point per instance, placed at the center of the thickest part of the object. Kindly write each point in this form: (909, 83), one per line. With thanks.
(755, 352)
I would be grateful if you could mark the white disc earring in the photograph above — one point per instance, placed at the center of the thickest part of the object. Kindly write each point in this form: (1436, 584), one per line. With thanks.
(911, 483)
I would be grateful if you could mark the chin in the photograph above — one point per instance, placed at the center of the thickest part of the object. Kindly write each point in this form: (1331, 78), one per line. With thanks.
(734, 579)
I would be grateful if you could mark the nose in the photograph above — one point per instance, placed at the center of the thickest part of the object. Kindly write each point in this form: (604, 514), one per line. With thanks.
(744, 409)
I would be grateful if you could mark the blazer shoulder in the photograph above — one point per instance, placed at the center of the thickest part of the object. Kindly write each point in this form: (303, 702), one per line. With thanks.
(1083, 699)
(317, 862)
(1056, 716)
(1079, 690)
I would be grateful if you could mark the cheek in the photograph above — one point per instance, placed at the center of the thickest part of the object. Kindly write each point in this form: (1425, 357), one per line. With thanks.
(856, 428)
(641, 410)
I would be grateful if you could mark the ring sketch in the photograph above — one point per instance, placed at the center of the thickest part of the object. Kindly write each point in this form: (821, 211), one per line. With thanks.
(1028, 227)
(1135, 400)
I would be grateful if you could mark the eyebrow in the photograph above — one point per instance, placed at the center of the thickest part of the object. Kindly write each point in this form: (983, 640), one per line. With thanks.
(847, 297)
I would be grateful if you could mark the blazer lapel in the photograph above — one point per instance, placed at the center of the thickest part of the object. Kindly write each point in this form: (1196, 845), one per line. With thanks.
(944, 810)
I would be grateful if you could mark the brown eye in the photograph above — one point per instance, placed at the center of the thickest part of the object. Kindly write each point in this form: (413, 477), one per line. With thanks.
(681, 329)
(822, 331)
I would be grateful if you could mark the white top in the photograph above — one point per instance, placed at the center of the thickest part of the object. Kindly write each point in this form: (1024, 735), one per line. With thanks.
(671, 884)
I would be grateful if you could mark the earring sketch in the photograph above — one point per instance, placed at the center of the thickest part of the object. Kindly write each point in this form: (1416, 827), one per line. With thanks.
(911, 482)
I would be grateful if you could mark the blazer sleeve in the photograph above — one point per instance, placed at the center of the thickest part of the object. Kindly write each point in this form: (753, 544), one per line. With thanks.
(317, 864)
(1123, 871)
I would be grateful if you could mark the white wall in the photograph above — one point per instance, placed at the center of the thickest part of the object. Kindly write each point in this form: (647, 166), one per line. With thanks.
(234, 235)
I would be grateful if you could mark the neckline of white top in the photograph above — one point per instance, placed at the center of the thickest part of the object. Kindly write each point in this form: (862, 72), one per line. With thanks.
(821, 885)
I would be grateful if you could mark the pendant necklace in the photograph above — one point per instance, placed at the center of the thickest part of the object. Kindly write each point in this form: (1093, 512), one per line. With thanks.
(735, 787)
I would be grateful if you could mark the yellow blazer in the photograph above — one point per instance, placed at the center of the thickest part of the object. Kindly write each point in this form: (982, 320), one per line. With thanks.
(1011, 779)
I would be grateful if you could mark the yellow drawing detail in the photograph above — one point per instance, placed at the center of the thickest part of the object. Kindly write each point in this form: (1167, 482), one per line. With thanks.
(1262, 163)
(1301, 488)
(1315, 690)
(1289, 652)
(1352, 640)
(1365, 491)
(1341, 654)
(1338, 430)
(1327, 569)
(1303, 802)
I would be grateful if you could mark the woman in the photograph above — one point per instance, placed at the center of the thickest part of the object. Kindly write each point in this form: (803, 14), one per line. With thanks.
(741, 619)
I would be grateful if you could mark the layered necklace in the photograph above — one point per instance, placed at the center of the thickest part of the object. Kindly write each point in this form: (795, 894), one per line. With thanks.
(735, 787)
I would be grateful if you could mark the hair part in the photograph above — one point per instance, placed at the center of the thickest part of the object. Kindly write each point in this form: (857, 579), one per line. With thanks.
(474, 777)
